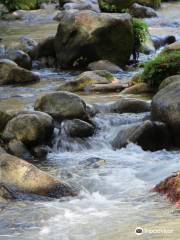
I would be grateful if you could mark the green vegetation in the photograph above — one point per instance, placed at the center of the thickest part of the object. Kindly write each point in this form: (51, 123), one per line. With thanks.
(141, 34)
(114, 5)
(161, 67)
(22, 4)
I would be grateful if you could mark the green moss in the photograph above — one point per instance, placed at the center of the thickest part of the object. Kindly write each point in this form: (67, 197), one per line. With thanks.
(22, 4)
(114, 5)
(161, 67)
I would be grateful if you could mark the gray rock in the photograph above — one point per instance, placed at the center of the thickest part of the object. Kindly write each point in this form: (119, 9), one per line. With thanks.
(140, 11)
(104, 65)
(166, 108)
(62, 105)
(10, 73)
(78, 128)
(30, 128)
(149, 135)
(169, 80)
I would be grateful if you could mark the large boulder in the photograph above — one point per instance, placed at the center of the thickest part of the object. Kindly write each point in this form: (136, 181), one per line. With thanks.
(87, 36)
(29, 128)
(85, 81)
(170, 187)
(62, 105)
(22, 176)
(10, 73)
(149, 135)
(166, 108)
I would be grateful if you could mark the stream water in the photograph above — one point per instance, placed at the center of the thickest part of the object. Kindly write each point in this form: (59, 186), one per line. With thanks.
(113, 199)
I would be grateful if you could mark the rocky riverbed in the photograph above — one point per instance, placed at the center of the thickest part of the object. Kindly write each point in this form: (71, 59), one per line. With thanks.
(92, 157)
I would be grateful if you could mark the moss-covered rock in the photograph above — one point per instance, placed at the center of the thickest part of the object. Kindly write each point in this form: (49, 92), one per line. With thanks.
(86, 79)
(150, 3)
(164, 65)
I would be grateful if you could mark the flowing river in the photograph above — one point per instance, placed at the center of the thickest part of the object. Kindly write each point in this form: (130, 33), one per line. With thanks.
(114, 198)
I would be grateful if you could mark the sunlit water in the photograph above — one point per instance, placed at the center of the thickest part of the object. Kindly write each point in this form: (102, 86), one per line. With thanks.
(113, 199)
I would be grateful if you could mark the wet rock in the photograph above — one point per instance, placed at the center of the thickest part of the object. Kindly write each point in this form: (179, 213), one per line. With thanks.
(169, 80)
(78, 128)
(18, 149)
(93, 162)
(166, 108)
(62, 105)
(86, 36)
(129, 105)
(159, 42)
(27, 44)
(149, 135)
(140, 11)
(6, 194)
(30, 128)
(139, 88)
(43, 49)
(10, 73)
(85, 81)
(4, 119)
(22, 176)
(41, 152)
(170, 187)
(104, 65)
(21, 58)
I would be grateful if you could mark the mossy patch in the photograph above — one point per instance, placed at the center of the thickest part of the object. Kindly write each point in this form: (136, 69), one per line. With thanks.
(161, 67)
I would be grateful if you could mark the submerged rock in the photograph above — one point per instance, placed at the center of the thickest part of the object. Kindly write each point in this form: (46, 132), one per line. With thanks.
(31, 128)
(87, 36)
(62, 105)
(22, 176)
(149, 135)
(93, 162)
(170, 187)
(78, 128)
(10, 73)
